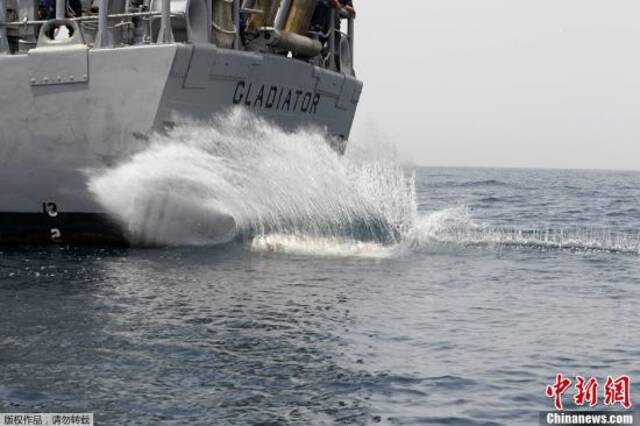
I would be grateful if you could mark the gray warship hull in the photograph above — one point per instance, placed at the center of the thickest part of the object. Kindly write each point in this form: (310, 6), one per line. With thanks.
(69, 109)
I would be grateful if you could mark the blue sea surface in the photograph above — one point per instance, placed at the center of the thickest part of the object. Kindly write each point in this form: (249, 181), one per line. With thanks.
(509, 277)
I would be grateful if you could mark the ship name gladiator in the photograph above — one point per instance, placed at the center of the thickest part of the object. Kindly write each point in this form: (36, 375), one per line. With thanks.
(268, 96)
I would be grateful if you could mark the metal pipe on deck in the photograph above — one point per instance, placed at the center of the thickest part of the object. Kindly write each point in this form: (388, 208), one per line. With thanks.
(166, 34)
(262, 14)
(236, 23)
(104, 38)
(4, 42)
(283, 14)
(61, 6)
(299, 16)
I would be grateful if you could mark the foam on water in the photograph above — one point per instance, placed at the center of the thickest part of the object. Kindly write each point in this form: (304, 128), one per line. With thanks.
(458, 226)
(320, 246)
(238, 177)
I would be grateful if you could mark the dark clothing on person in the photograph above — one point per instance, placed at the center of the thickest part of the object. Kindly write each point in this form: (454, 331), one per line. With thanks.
(321, 20)
(346, 3)
(46, 9)
(321, 16)
(76, 7)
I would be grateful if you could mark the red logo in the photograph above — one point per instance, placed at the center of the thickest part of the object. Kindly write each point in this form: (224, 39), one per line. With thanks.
(558, 389)
(586, 391)
(616, 391)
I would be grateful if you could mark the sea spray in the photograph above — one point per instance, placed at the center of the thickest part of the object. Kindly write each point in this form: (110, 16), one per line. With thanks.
(240, 177)
(458, 227)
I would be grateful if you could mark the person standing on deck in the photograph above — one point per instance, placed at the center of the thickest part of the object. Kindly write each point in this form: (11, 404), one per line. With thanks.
(321, 16)
(344, 7)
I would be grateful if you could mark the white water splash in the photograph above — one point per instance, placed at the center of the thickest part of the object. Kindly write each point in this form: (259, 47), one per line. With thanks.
(457, 226)
(320, 246)
(238, 177)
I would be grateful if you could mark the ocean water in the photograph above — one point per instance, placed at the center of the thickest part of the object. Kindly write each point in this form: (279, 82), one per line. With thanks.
(351, 291)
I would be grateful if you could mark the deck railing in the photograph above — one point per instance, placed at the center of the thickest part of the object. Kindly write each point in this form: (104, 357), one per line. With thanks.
(61, 6)
(236, 23)
(104, 36)
(4, 42)
(351, 33)
(166, 33)
(35, 22)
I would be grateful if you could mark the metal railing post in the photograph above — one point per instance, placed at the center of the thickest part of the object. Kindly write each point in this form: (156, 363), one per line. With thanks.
(104, 38)
(332, 40)
(4, 43)
(165, 35)
(61, 6)
(236, 23)
(351, 31)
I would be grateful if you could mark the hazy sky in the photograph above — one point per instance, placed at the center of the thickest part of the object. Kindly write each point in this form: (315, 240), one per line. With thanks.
(505, 83)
